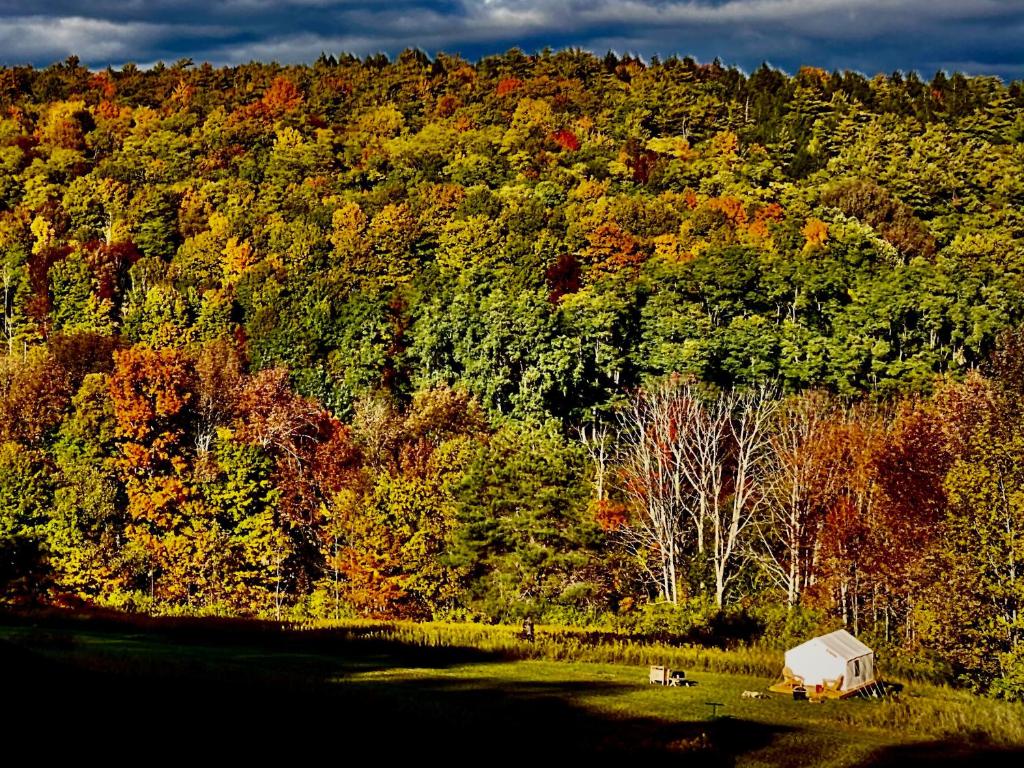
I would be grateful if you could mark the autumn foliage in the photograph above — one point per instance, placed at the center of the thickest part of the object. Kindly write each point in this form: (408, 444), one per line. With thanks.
(407, 339)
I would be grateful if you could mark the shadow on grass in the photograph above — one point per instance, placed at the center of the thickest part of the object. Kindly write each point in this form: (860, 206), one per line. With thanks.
(201, 689)
(282, 694)
(946, 753)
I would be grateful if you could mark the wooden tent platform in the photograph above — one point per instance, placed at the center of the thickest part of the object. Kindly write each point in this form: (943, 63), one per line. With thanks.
(830, 690)
(787, 687)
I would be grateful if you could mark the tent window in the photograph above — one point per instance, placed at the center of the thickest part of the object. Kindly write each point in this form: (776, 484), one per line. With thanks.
(856, 667)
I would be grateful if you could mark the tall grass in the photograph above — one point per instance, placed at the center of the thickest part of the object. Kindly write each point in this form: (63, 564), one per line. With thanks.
(555, 643)
(942, 713)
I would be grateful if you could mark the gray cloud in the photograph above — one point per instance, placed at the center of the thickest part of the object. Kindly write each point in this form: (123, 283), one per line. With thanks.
(981, 37)
(33, 37)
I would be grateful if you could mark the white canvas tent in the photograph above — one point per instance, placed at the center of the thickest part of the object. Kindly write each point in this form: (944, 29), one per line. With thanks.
(836, 663)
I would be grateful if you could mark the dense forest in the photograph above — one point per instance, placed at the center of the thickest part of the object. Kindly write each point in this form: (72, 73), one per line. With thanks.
(658, 345)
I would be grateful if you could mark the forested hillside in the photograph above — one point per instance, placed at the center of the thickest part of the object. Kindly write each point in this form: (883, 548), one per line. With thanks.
(659, 345)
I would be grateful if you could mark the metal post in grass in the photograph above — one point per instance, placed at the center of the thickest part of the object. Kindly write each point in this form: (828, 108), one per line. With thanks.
(714, 707)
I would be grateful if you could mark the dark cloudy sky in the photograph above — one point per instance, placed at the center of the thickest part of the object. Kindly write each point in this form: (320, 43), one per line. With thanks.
(974, 36)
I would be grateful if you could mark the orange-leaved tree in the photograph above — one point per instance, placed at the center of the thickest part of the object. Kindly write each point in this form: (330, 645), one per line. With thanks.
(151, 393)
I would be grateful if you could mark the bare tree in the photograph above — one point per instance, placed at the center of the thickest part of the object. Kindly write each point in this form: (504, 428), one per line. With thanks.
(842, 553)
(694, 469)
(599, 443)
(722, 455)
(785, 529)
(699, 451)
(9, 299)
(747, 418)
(219, 376)
(801, 481)
(649, 476)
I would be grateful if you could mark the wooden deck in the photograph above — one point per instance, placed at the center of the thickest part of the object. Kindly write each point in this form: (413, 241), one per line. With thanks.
(830, 690)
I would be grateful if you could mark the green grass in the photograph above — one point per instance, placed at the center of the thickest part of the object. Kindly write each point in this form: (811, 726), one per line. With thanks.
(434, 688)
(555, 643)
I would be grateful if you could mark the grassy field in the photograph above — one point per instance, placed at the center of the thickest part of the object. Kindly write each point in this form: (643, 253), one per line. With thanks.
(459, 692)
